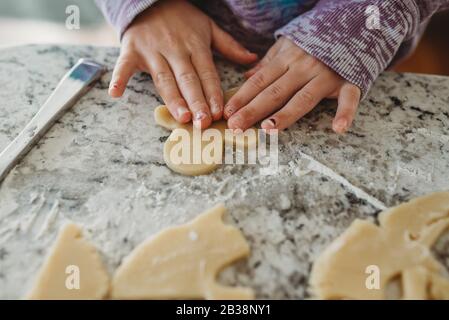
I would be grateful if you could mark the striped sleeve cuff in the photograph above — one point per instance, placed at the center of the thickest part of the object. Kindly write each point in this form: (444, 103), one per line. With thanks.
(120, 14)
(346, 37)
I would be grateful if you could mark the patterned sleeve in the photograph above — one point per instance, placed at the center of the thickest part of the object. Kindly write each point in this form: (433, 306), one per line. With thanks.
(358, 39)
(120, 13)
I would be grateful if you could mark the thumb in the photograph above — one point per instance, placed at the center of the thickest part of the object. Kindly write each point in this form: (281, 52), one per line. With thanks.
(225, 44)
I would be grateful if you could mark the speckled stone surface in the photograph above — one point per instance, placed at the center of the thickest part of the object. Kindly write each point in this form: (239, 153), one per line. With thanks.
(101, 166)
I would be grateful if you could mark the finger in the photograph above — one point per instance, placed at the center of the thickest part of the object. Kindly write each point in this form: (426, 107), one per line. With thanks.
(271, 53)
(253, 86)
(348, 101)
(165, 83)
(190, 86)
(123, 71)
(225, 44)
(210, 81)
(301, 103)
(269, 100)
(248, 74)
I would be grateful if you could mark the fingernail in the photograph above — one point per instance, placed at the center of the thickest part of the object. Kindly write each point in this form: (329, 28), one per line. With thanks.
(199, 116)
(214, 106)
(228, 111)
(251, 53)
(112, 88)
(268, 124)
(341, 125)
(180, 111)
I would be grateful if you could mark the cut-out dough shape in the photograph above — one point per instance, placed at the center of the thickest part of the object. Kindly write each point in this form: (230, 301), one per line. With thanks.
(182, 262)
(72, 258)
(399, 247)
(163, 118)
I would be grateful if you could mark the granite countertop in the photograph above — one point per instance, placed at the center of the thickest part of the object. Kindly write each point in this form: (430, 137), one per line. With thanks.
(101, 166)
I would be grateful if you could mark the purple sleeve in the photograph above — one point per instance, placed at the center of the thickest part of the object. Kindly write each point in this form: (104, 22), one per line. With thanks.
(120, 13)
(340, 34)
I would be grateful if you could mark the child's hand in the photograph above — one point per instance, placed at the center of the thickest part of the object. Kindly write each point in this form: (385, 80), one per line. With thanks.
(172, 41)
(291, 82)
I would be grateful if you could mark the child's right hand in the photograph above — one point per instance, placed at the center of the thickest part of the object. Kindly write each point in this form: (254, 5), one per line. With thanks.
(172, 41)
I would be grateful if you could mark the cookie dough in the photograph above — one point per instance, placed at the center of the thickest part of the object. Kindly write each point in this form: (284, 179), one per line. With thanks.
(182, 262)
(399, 247)
(72, 270)
(204, 148)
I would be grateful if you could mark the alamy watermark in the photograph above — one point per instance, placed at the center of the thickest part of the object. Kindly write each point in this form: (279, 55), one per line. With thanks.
(72, 282)
(72, 22)
(373, 17)
(372, 281)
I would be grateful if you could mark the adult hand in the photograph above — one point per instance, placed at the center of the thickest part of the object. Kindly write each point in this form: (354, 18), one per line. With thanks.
(172, 41)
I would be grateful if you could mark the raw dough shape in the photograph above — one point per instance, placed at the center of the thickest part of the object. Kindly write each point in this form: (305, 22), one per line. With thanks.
(69, 250)
(182, 262)
(399, 247)
(163, 118)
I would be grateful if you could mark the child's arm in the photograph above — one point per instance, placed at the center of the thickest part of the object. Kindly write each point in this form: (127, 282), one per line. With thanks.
(172, 41)
(344, 36)
(120, 14)
(333, 50)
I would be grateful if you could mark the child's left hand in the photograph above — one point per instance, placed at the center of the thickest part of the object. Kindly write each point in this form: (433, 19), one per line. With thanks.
(291, 82)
